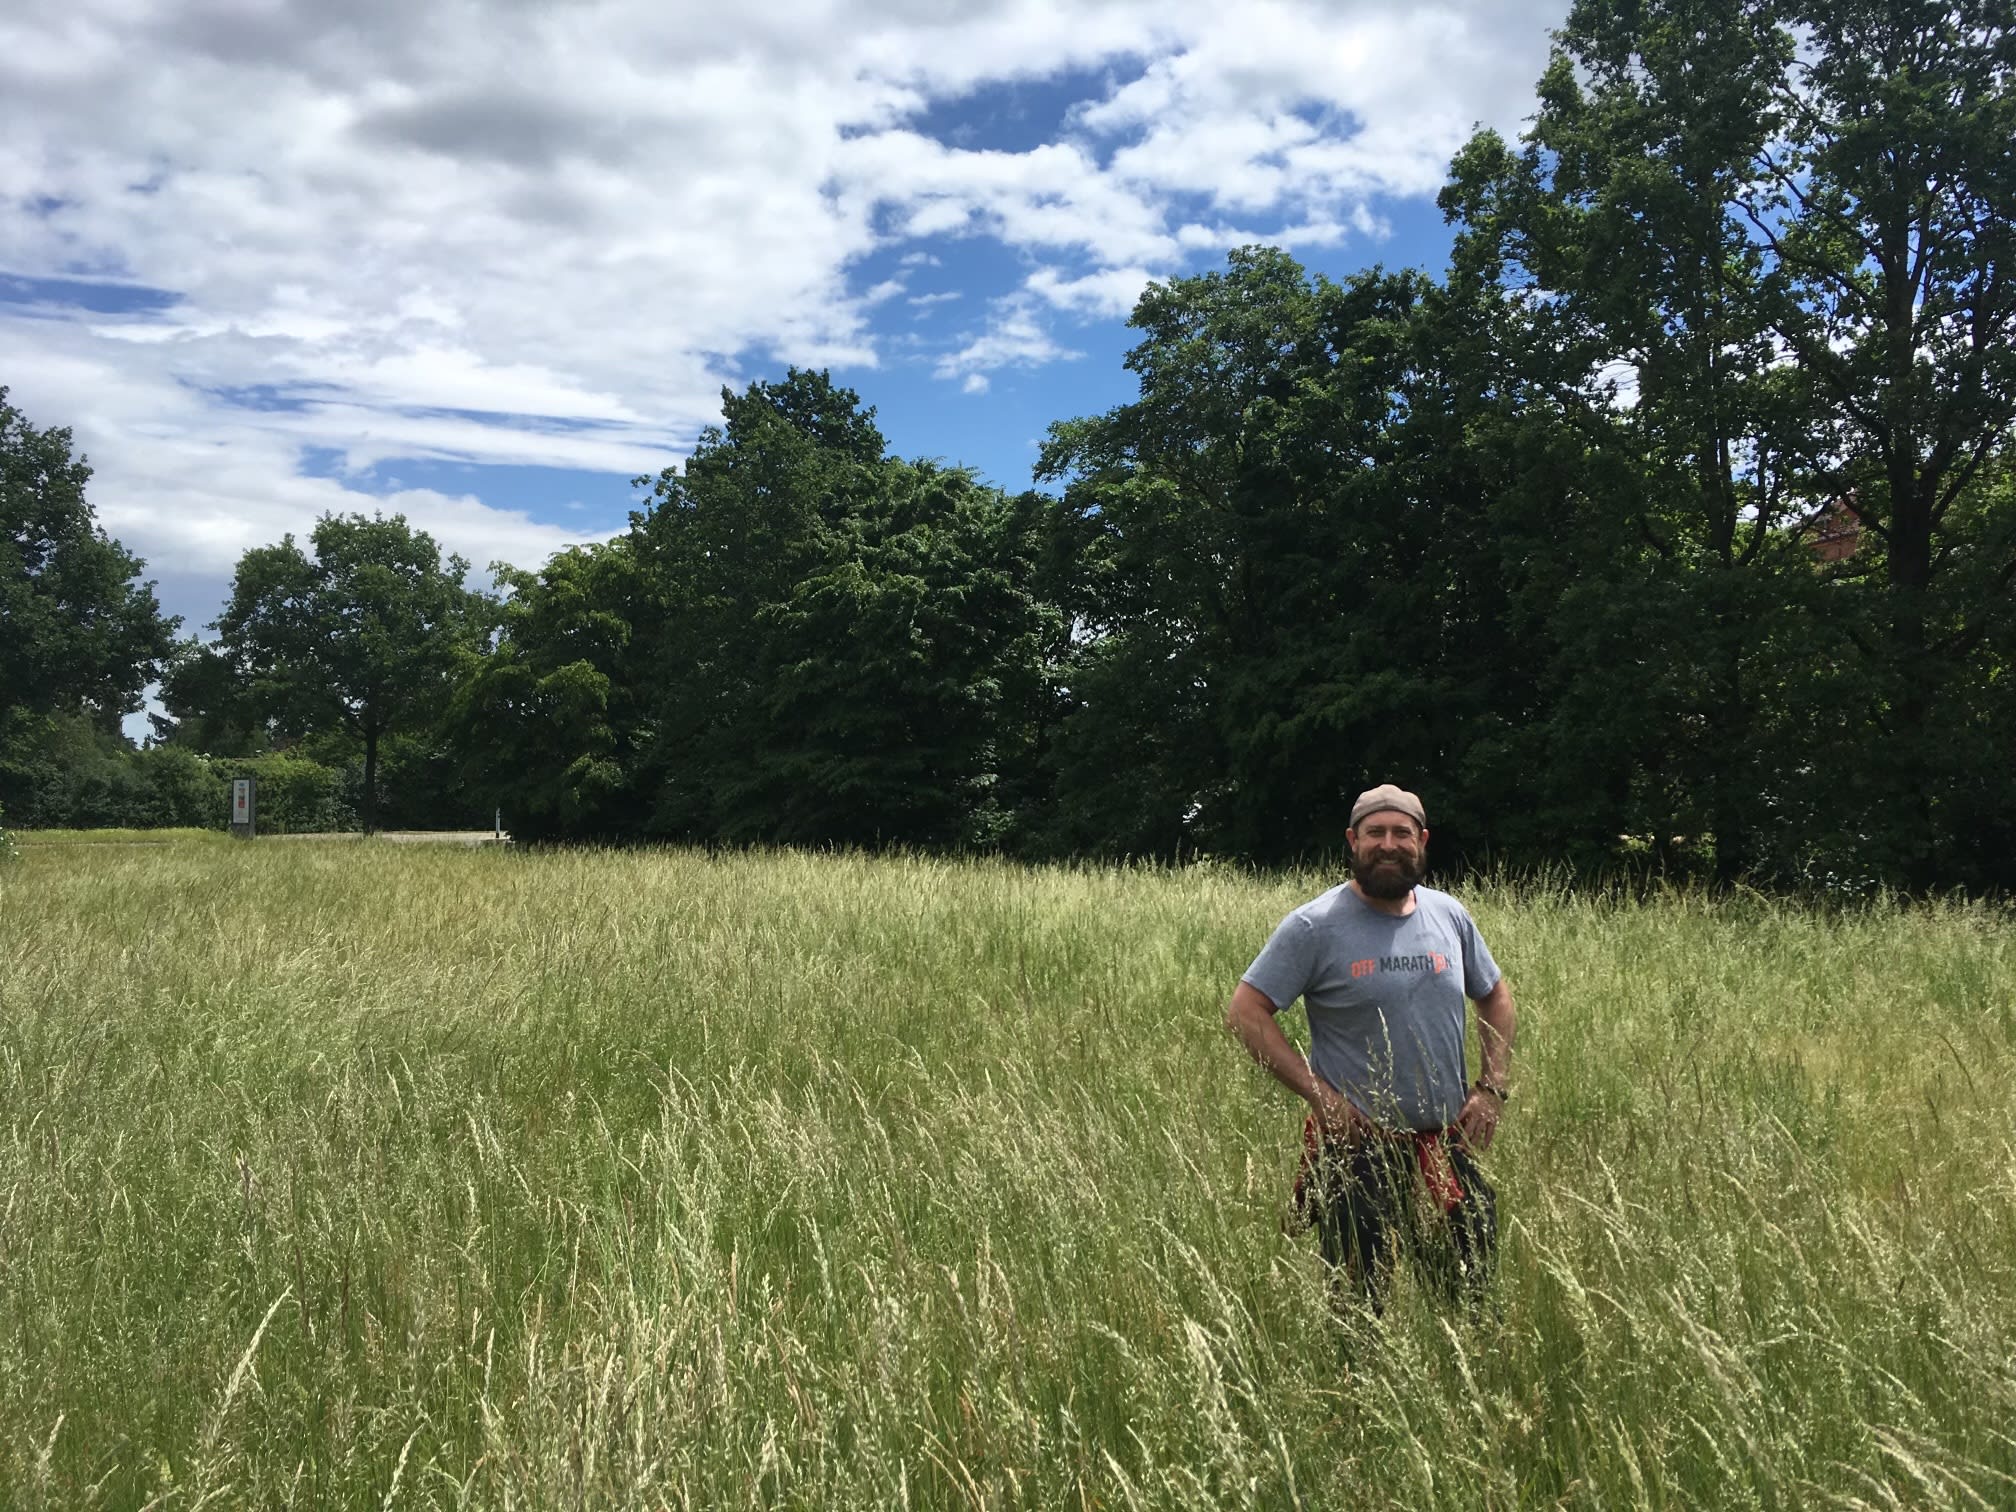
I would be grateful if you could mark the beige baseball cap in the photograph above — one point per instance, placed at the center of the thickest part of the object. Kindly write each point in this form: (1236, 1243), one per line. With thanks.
(1387, 796)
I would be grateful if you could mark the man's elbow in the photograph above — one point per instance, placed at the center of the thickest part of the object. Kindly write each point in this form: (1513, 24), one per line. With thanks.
(1247, 1007)
(1496, 1005)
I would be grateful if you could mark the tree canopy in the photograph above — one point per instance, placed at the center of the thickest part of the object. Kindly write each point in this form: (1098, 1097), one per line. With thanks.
(80, 631)
(82, 637)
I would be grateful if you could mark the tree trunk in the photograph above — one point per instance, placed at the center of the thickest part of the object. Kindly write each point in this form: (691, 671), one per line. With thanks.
(1915, 673)
(370, 779)
(1728, 732)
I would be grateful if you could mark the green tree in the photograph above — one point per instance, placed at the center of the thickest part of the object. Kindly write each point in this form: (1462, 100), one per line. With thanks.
(81, 634)
(905, 671)
(1626, 211)
(756, 509)
(1785, 221)
(1170, 498)
(1889, 210)
(552, 724)
(368, 635)
(848, 650)
(1285, 567)
(207, 708)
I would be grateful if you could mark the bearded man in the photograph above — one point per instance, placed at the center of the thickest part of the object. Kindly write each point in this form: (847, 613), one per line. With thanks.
(1384, 965)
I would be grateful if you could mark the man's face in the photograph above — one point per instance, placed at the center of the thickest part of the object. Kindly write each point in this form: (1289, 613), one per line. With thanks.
(1389, 854)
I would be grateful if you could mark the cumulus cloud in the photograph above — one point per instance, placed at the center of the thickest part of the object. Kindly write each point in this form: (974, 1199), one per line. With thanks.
(549, 234)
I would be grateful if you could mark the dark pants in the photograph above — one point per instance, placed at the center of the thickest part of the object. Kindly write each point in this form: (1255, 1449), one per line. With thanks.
(1370, 1196)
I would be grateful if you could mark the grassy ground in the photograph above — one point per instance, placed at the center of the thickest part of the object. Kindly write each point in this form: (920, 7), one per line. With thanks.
(347, 1176)
(43, 838)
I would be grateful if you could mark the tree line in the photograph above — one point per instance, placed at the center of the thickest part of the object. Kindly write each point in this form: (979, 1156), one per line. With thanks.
(1672, 528)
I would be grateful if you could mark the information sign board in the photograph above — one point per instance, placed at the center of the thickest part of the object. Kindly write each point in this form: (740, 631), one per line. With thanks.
(244, 806)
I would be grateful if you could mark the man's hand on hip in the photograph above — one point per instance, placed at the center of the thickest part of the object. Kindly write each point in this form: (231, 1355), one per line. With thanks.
(1339, 1121)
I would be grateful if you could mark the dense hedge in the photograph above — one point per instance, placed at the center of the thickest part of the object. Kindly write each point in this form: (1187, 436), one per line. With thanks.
(75, 776)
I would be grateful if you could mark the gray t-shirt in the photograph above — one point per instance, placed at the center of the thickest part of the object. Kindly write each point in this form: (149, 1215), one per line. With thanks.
(1385, 998)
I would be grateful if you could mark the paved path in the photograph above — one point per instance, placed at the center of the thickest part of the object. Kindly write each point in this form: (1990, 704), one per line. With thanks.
(445, 837)
(409, 837)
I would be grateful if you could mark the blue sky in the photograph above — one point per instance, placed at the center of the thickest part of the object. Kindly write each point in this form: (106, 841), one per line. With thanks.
(482, 264)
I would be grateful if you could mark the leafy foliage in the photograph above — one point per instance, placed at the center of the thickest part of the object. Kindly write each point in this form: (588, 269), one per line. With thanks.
(849, 650)
(1285, 566)
(80, 632)
(366, 637)
(296, 796)
(1787, 251)
(81, 637)
(550, 725)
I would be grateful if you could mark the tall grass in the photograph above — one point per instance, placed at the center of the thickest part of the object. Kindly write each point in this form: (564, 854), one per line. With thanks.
(44, 838)
(354, 1176)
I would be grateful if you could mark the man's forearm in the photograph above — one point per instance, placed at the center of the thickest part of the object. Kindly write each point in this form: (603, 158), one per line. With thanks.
(1254, 1023)
(1497, 1023)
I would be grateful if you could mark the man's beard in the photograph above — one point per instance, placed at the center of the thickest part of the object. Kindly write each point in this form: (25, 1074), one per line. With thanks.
(1388, 881)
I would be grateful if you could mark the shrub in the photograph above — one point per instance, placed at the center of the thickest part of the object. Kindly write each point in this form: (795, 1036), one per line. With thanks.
(181, 790)
(64, 771)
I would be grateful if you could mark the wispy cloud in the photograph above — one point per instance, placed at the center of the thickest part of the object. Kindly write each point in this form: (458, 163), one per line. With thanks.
(1014, 337)
(1109, 292)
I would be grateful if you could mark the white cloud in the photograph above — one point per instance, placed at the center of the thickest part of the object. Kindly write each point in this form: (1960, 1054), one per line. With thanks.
(1014, 338)
(976, 383)
(530, 234)
(1278, 104)
(1052, 196)
(192, 487)
(1109, 292)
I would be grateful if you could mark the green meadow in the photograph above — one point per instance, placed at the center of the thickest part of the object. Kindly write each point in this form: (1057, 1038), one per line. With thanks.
(372, 1176)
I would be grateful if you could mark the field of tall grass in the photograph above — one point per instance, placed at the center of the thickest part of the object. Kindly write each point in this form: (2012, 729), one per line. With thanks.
(365, 1176)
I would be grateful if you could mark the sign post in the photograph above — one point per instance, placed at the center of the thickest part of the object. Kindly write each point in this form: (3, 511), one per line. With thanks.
(244, 806)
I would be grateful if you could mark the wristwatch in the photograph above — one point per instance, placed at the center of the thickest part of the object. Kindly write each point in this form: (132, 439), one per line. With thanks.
(1500, 1093)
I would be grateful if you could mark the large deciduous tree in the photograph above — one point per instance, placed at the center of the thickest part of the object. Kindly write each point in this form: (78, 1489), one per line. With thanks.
(553, 723)
(1786, 224)
(850, 646)
(366, 634)
(1889, 212)
(80, 632)
(1620, 234)
(906, 670)
(1285, 569)
(80, 635)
